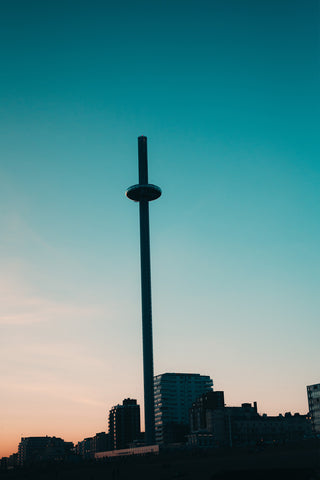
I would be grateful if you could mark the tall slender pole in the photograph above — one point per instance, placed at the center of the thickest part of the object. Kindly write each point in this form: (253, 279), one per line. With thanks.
(144, 193)
(146, 301)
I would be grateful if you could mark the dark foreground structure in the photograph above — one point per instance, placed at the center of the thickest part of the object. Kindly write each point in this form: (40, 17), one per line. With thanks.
(144, 193)
(299, 461)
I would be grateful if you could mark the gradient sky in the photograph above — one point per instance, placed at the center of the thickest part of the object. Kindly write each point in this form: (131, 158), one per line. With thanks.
(227, 93)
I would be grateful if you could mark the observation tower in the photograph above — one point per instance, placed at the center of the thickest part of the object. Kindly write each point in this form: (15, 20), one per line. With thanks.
(144, 193)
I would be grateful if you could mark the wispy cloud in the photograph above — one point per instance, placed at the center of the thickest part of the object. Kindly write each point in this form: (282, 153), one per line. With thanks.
(64, 352)
(61, 392)
(20, 319)
(20, 306)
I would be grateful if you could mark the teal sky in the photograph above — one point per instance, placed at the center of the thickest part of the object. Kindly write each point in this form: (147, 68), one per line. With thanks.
(227, 93)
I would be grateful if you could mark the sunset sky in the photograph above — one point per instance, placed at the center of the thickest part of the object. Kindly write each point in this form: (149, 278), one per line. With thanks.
(227, 93)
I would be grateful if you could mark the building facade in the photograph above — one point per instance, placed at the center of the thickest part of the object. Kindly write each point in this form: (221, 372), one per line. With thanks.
(313, 392)
(124, 424)
(198, 412)
(174, 394)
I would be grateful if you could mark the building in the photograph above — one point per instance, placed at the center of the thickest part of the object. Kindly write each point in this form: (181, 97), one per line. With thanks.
(313, 392)
(42, 449)
(88, 447)
(124, 424)
(210, 401)
(174, 394)
(100, 442)
(84, 448)
(241, 426)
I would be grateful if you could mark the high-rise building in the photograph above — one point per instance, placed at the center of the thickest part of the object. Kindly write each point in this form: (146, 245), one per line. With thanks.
(124, 424)
(174, 394)
(313, 392)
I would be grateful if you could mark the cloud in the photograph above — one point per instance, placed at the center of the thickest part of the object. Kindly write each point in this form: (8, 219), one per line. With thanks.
(20, 306)
(27, 295)
(40, 283)
(62, 370)
(57, 391)
(27, 311)
(66, 353)
(22, 319)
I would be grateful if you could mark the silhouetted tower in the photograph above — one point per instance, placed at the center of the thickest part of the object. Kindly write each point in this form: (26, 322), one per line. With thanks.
(144, 193)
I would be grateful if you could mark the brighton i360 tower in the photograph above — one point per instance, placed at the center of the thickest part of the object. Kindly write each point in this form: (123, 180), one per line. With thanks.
(143, 193)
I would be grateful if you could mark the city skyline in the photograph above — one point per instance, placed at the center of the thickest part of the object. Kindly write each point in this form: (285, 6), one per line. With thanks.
(227, 94)
(178, 397)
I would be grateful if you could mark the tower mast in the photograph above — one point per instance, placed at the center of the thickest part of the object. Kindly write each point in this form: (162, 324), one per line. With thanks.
(143, 193)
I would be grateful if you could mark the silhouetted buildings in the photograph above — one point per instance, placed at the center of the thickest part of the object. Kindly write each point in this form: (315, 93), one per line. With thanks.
(124, 430)
(91, 445)
(100, 442)
(173, 396)
(9, 462)
(313, 392)
(187, 411)
(124, 424)
(213, 424)
(84, 448)
(41, 449)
